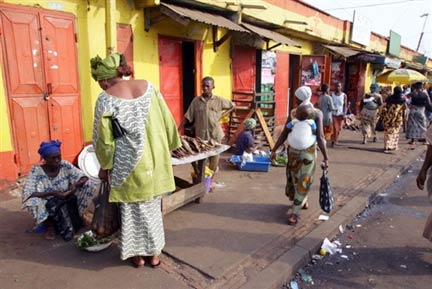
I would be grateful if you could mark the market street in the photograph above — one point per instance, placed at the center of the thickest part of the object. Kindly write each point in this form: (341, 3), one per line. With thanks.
(236, 238)
(383, 248)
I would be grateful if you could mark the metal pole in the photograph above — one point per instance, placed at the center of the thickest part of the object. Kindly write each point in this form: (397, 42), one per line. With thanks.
(421, 34)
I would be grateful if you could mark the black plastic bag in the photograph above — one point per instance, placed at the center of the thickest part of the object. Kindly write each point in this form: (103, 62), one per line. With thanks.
(325, 193)
(106, 218)
(118, 130)
(65, 214)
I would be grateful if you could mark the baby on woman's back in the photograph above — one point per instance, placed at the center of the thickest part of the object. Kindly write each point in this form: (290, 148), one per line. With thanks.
(302, 129)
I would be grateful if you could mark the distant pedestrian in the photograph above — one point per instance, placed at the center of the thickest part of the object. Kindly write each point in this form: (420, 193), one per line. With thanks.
(302, 162)
(327, 108)
(392, 116)
(426, 173)
(341, 103)
(417, 122)
(368, 112)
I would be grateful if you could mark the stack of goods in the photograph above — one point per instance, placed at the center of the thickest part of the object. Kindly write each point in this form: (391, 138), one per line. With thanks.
(192, 146)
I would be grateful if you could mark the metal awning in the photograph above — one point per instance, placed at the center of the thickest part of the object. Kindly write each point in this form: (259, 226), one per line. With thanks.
(200, 16)
(271, 35)
(342, 51)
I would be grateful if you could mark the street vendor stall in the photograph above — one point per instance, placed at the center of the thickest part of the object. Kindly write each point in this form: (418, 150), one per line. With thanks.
(187, 192)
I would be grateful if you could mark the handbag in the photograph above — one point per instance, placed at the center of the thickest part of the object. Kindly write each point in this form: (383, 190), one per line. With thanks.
(106, 218)
(325, 193)
(118, 130)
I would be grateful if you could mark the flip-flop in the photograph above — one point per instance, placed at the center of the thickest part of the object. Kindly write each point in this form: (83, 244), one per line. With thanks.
(292, 223)
(154, 266)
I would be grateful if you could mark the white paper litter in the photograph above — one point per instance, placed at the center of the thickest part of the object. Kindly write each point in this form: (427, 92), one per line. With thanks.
(330, 247)
(341, 230)
(323, 217)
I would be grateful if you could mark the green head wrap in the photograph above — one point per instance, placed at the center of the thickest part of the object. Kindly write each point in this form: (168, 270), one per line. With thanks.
(250, 123)
(102, 69)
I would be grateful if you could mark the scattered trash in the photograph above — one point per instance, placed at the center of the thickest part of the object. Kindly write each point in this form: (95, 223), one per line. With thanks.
(403, 266)
(354, 253)
(323, 217)
(344, 256)
(341, 230)
(337, 243)
(410, 171)
(219, 184)
(317, 257)
(294, 285)
(358, 226)
(349, 227)
(330, 247)
(398, 176)
(329, 263)
(305, 277)
(348, 246)
(350, 237)
(391, 226)
(340, 270)
(371, 280)
(323, 252)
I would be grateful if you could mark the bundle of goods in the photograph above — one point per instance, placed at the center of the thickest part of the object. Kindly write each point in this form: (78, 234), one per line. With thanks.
(352, 123)
(191, 146)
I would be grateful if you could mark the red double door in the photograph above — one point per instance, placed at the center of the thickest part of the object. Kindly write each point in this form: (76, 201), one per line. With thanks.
(38, 49)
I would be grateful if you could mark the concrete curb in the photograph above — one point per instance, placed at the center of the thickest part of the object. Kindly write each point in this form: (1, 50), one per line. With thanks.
(285, 267)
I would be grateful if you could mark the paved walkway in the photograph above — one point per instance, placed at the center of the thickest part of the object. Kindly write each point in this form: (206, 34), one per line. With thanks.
(236, 238)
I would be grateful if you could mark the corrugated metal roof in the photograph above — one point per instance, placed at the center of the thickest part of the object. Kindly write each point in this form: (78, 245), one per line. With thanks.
(277, 37)
(205, 17)
(344, 51)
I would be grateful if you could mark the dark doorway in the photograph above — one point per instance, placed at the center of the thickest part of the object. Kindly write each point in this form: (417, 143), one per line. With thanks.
(294, 77)
(188, 51)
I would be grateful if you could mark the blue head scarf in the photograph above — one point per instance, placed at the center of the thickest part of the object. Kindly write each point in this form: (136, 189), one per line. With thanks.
(374, 87)
(49, 147)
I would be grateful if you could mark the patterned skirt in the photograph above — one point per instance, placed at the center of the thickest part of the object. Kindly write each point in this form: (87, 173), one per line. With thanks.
(417, 123)
(300, 173)
(142, 231)
(368, 120)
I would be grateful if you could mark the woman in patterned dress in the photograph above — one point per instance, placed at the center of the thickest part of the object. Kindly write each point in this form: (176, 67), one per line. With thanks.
(417, 123)
(392, 115)
(301, 163)
(139, 161)
(55, 183)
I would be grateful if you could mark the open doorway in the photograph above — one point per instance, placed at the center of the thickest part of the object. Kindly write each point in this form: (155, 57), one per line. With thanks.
(294, 77)
(188, 69)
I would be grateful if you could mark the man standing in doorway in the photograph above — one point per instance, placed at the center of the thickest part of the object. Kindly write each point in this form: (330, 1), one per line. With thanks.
(205, 112)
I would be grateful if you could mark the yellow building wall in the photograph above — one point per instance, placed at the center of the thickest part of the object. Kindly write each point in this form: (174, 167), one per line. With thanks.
(369, 79)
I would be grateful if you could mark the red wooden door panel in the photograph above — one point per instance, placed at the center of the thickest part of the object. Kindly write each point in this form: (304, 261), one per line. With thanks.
(23, 52)
(125, 42)
(25, 83)
(58, 38)
(281, 86)
(31, 127)
(244, 68)
(40, 64)
(170, 70)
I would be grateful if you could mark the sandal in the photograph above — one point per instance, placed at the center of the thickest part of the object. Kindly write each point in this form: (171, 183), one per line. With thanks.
(305, 206)
(292, 220)
(137, 261)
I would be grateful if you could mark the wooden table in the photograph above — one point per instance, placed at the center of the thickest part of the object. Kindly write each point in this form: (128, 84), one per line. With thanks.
(187, 192)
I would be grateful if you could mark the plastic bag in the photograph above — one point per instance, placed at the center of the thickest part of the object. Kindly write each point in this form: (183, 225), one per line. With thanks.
(106, 218)
(326, 194)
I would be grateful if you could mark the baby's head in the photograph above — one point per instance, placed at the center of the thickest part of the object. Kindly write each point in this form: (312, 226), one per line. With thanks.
(302, 112)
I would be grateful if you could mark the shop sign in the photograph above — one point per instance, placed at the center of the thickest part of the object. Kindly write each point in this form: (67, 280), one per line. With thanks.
(361, 29)
(394, 44)
(392, 63)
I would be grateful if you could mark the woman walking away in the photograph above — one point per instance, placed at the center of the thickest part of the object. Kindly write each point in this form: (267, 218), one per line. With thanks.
(368, 112)
(340, 102)
(392, 115)
(301, 162)
(417, 122)
(138, 159)
(426, 172)
(327, 108)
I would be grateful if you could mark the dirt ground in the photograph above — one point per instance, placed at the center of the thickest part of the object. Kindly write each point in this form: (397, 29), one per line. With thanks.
(383, 248)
